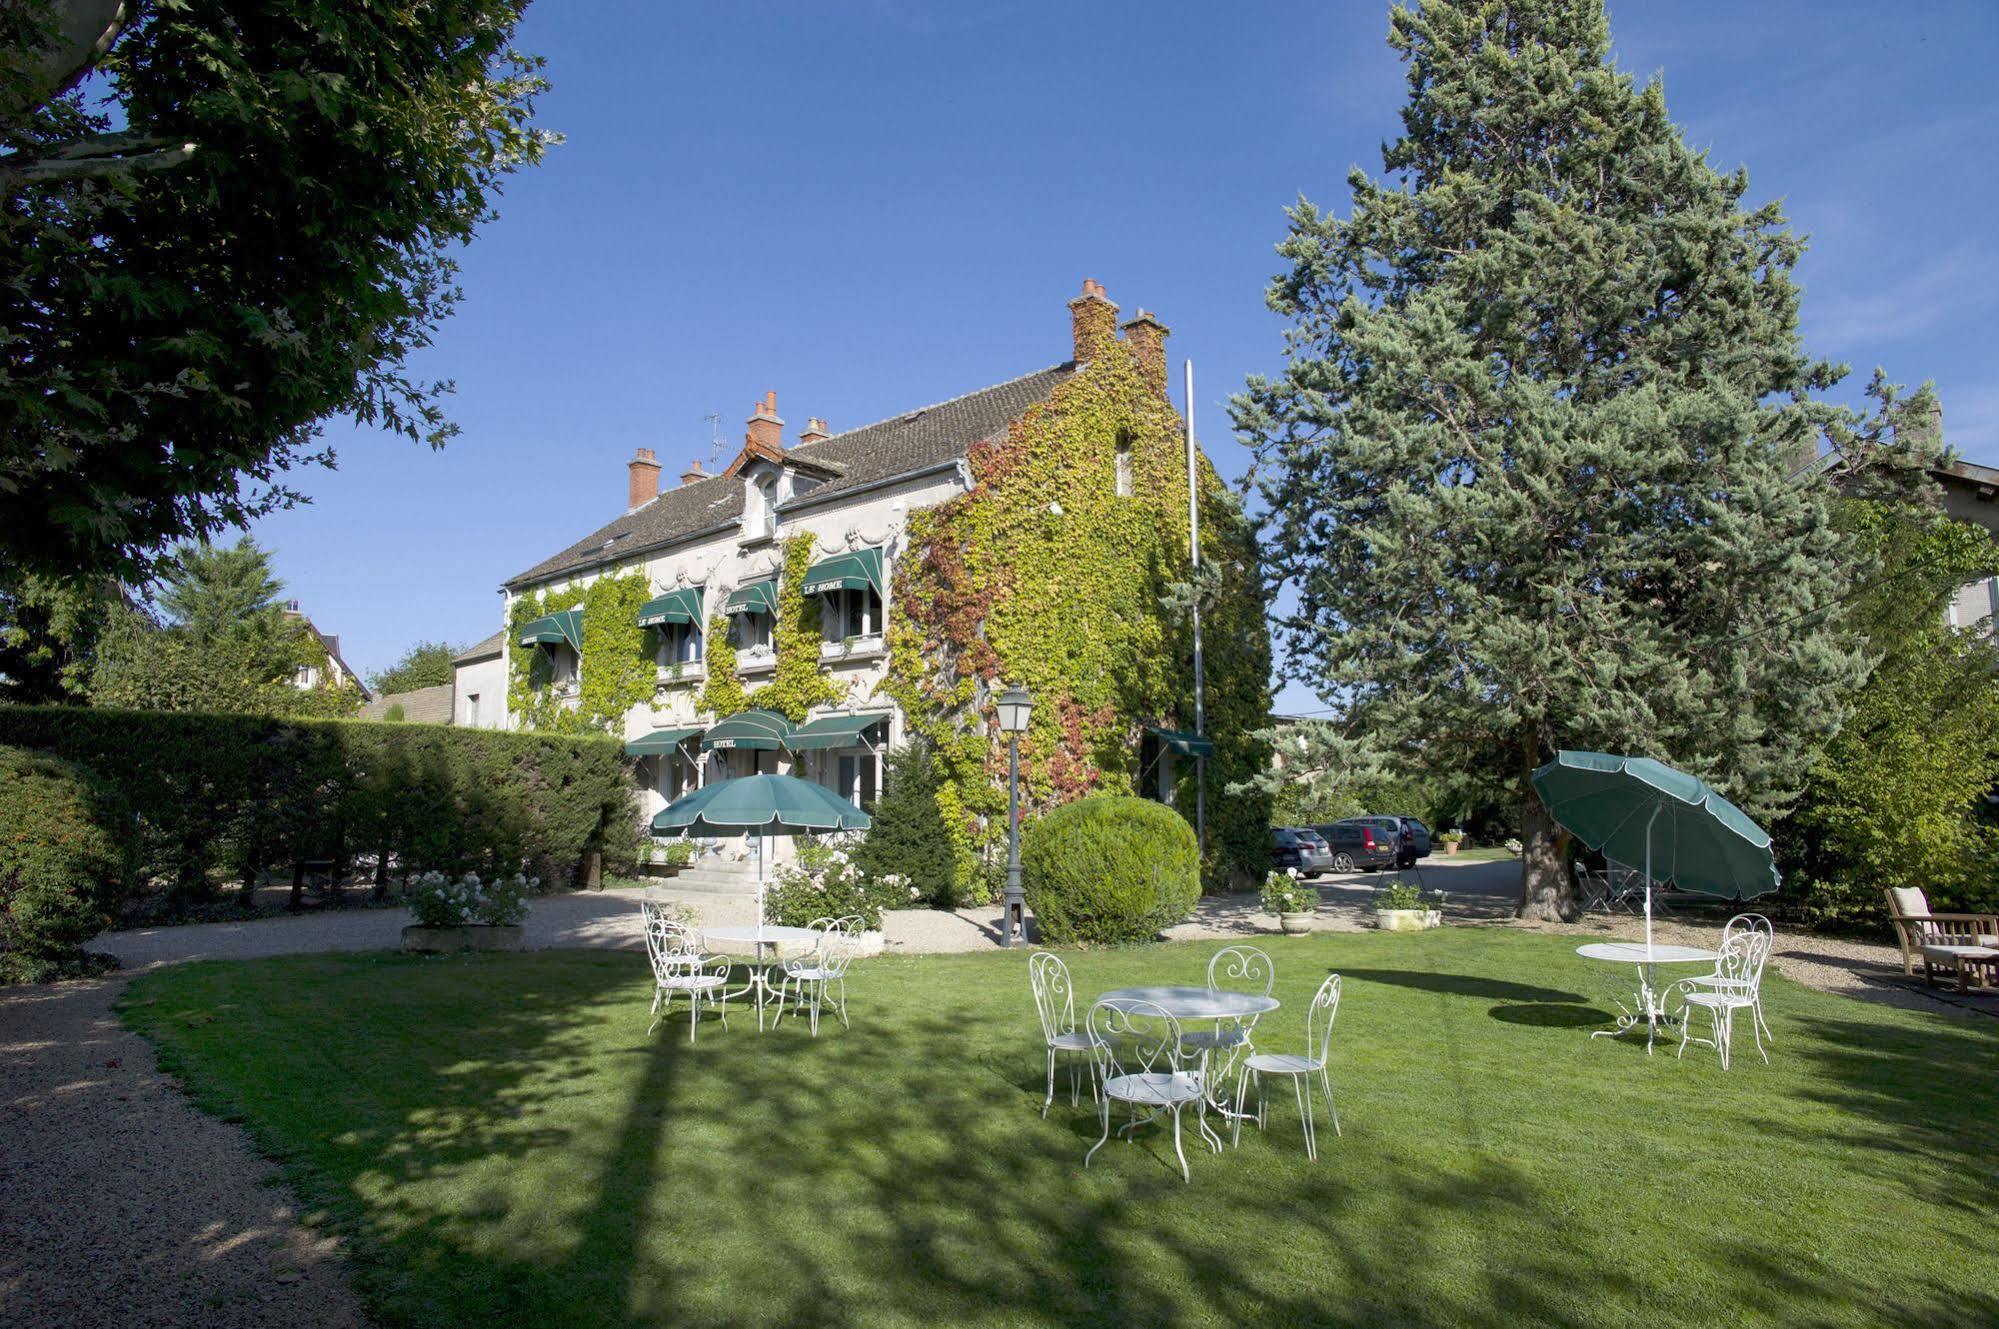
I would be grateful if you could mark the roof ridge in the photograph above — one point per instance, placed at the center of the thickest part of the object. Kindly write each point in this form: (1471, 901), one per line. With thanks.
(918, 410)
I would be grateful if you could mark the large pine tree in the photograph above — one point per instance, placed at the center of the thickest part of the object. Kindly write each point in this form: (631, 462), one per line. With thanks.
(1532, 468)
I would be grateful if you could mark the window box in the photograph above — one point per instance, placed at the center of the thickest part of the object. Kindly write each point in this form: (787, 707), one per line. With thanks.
(756, 660)
(691, 672)
(853, 648)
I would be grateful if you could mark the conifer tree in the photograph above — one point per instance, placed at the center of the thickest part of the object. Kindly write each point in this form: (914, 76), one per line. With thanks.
(1538, 467)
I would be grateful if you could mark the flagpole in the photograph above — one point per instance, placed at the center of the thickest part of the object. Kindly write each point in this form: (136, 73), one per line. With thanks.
(1194, 557)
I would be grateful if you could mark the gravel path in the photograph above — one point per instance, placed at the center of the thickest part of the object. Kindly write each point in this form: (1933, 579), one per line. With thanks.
(121, 1203)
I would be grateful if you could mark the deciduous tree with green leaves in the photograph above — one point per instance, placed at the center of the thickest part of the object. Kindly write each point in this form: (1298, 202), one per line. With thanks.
(222, 223)
(1537, 470)
(1894, 798)
(424, 665)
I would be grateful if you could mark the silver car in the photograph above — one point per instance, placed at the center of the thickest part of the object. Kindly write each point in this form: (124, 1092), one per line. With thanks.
(1315, 856)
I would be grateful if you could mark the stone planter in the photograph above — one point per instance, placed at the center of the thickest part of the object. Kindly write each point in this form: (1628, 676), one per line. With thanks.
(1407, 920)
(1450, 848)
(471, 937)
(1295, 925)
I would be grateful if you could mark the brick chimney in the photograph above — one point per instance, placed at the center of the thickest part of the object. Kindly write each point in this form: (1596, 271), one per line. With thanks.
(1147, 336)
(765, 428)
(644, 479)
(815, 432)
(693, 473)
(1092, 321)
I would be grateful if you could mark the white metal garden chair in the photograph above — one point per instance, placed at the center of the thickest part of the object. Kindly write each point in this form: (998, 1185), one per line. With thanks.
(1234, 969)
(1303, 1070)
(819, 979)
(1140, 1060)
(1739, 924)
(1055, 1003)
(1736, 984)
(680, 965)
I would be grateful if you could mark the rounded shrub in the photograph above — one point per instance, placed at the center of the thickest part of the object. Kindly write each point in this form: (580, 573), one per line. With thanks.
(66, 854)
(1110, 869)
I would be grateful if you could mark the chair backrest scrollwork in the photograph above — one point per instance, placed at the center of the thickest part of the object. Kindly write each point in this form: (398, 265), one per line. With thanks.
(1054, 998)
(1241, 969)
(1134, 1038)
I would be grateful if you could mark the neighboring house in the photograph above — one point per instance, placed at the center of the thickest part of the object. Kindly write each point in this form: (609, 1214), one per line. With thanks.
(711, 563)
(479, 685)
(1971, 494)
(430, 705)
(335, 673)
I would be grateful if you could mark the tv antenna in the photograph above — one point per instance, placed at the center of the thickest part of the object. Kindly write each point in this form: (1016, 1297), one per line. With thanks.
(714, 419)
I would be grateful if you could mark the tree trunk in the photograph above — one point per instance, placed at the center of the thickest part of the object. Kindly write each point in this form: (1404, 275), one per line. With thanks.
(1547, 893)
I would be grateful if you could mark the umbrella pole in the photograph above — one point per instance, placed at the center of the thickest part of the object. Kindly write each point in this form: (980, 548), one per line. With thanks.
(1648, 877)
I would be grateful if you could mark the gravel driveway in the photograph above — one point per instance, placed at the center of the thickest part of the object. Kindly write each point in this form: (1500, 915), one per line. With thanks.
(121, 1203)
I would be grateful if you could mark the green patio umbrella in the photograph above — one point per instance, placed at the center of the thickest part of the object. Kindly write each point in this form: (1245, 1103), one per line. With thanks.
(1635, 809)
(767, 804)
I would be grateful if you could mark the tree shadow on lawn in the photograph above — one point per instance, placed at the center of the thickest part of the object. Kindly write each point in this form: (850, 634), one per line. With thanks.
(1932, 1091)
(542, 1160)
(1463, 985)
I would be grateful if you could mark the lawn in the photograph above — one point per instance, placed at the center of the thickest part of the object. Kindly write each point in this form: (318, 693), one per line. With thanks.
(502, 1144)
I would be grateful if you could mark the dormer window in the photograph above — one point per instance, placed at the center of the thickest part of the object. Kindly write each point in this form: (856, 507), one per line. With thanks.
(760, 507)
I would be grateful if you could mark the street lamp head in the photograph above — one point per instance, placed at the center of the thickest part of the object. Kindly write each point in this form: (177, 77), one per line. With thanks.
(1014, 707)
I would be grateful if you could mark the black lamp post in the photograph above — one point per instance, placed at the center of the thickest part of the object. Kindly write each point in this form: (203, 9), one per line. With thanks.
(1014, 708)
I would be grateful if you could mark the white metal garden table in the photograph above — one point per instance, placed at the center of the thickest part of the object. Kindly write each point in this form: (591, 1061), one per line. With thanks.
(1648, 1004)
(761, 936)
(1200, 1004)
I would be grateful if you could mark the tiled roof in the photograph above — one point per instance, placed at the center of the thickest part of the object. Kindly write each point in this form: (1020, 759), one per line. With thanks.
(485, 650)
(903, 445)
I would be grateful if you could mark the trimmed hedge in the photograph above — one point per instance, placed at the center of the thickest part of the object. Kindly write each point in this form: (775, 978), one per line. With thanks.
(248, 793)
(66, 856)
(1110, 869)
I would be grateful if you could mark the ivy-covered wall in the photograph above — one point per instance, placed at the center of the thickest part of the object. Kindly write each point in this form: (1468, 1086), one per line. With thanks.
(800, 681)
(722, 694)
(1043, 575)
(618, 669)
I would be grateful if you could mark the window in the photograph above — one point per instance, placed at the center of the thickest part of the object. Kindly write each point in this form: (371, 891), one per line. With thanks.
(859, 777)
(1124, 463)
(677, 775)
(472, 710)
(679, 643)
(750, 632)
(848, 613)
(761, 518)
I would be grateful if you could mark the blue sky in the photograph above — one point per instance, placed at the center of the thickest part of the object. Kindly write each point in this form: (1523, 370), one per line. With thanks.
(872, 206)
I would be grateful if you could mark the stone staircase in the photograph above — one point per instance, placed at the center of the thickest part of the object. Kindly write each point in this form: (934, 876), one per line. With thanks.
(714, 878)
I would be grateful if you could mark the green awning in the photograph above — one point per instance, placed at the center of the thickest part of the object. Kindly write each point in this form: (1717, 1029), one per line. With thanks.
(832, 731)
(853, 571)
(681, 606)
(555, 630)
(758, 731)
(659, 741)
(759, 597)
(1186, 744)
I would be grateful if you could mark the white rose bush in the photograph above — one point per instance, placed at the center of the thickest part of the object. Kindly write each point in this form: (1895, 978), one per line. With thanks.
(441, 901)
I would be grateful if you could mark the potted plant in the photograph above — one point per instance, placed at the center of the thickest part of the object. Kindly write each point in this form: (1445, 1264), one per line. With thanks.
(1292, 899)
(1514, 847)
(1452, 840)
(666, 860)
(467, 914)
(1402, 907)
